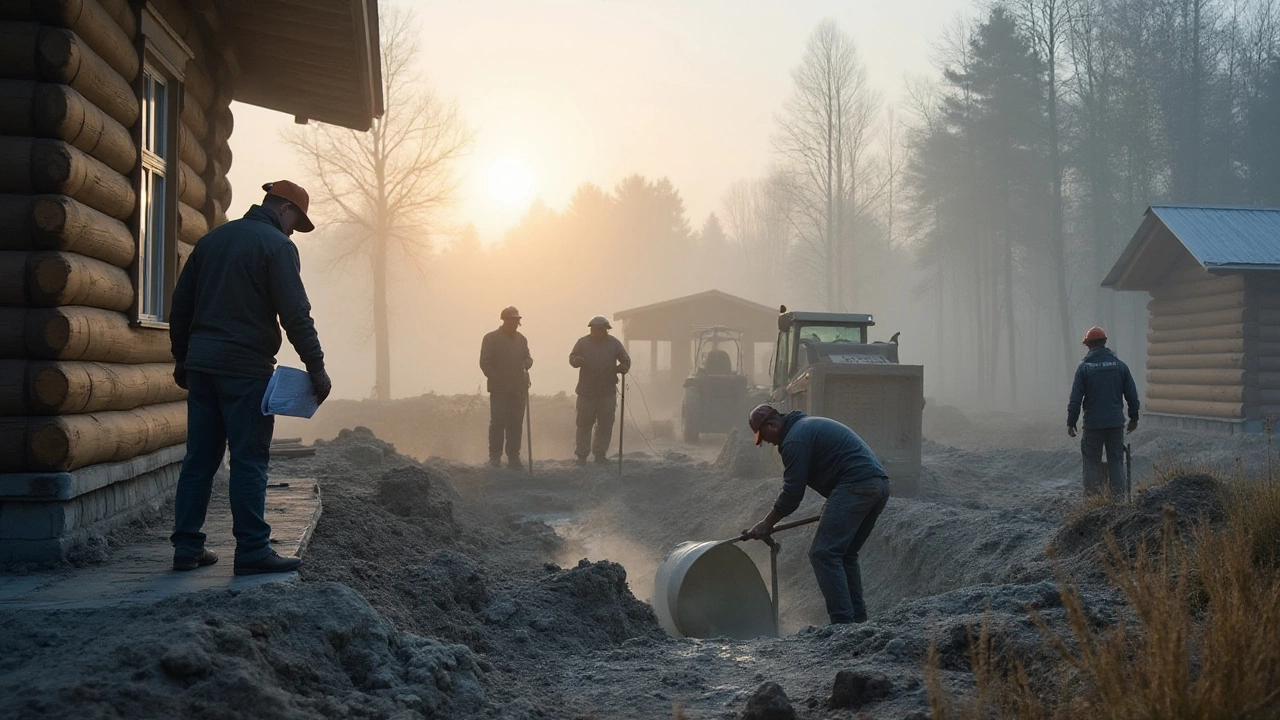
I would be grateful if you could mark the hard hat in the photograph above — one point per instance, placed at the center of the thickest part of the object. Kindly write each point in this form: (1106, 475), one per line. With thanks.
(510, 312)
(600, 320)
(1094, 333)
(759, 416)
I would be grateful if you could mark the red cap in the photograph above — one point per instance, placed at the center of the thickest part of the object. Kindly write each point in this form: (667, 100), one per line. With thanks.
(294, 193)
(1094, 333)
(759, 416)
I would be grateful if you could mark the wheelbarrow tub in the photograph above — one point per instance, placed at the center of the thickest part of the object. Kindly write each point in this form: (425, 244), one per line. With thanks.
(712, 589)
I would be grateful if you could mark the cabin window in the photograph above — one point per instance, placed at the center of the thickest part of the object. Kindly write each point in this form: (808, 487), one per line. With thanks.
(156, 232)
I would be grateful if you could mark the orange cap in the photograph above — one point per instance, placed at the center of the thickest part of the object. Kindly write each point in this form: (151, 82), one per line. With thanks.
(1094, 333)
(294, 193)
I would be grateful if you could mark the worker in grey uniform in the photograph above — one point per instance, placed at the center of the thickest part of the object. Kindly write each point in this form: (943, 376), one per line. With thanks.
(505, 362)
(1102, 386)
(600, 359)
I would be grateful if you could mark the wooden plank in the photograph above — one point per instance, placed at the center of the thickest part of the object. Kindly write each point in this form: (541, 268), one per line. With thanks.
(1197, 362)
(78, 333)
(1268, 364)
(1213, 286)
(68, 388)
(1197, 408)
(198, 84)
(1197, 347)
(1268, 317)
(1266, 300)
(38, 166)
(1197, 377)
(46, 110)
(1192, 272)
(1269, 379)
(1269, 333)
(1205, 303)
(1206, 393)
(1269, 396)
(68, 442)
(1267, 349)
(62, 57)
(50, 279)
(1213, 332)
(1194, 320)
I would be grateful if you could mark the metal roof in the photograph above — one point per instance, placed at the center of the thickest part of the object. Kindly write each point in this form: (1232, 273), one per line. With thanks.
(1219, 238)
(828, 318)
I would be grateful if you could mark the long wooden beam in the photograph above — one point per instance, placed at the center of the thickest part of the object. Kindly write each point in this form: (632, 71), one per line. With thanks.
(1196, 347)
(1204, 303)
(1197, 408)
(67, 388)
(1198, 319)
(78, 333)
(57, 222)
(68, 442)
(37, 166)
(1206, 393)
(50, 279)
(1196, 362)
(1203, 376)
(47, 110)
(1212, 285)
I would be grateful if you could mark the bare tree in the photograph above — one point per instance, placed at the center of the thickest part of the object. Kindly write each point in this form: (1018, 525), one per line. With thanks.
(826, 141)
(384, 189)
(755, 217)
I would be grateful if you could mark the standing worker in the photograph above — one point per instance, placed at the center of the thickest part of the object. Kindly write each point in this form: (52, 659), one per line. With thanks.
(600, 359)
(830, 458)
(505, 361)
(1102, 386)
(241, 284)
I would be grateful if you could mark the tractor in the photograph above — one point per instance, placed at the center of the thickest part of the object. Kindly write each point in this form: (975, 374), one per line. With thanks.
(715, 395)
(824, 365)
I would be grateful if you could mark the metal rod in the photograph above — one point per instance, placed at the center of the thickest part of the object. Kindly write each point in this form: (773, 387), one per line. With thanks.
(528, 423)
(773, 572)
(622, 421)
(1128, 472)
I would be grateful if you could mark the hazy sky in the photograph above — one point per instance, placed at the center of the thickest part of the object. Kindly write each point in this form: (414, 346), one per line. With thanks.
(561, 92)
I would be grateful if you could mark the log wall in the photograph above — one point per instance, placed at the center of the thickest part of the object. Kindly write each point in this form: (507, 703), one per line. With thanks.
(80, 383)
(1214, 345)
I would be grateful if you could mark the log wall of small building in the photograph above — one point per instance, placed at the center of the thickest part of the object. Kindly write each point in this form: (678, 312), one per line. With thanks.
(79, 383)
(1214, 345)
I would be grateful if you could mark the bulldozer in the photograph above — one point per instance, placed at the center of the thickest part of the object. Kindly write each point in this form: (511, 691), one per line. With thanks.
(715, 395)
(825, 365)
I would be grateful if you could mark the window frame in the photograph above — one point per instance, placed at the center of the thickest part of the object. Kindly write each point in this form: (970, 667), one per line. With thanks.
(163, 56)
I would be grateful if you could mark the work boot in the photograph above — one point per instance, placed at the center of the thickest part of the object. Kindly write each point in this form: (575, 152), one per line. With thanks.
(191, 562)
(601, 459)
(272, 563)
(514, 464)
(582, 460)
(495, 461)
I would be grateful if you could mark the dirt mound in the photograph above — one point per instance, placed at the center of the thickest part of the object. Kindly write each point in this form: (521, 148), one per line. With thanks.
(740, 458)
(283, 650)
(1187, 500)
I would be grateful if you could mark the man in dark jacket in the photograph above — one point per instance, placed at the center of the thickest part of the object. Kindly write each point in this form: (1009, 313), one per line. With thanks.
(505, 361)
(600, 359)
(224, 332)
(830, 458)
(1102, 386)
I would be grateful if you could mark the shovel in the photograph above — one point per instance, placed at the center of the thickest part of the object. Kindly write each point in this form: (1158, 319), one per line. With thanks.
(713, 589)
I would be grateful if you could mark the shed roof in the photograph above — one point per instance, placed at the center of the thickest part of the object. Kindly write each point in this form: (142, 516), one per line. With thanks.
(694, 299)
(1222, 239)
(313, 59)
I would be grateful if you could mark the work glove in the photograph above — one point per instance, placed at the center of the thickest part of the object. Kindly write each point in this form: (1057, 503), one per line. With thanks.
(321, 384)
(1133, 425)
(575, 361)
(1071, 430)
(180, 375)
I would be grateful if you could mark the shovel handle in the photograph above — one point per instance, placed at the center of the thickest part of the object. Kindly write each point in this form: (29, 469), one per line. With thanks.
(786, 526)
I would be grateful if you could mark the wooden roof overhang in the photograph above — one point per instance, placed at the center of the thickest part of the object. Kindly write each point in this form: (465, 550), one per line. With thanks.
(313, 59)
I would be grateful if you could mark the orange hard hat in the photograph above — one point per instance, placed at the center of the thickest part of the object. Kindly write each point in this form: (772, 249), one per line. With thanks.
(1094, 333)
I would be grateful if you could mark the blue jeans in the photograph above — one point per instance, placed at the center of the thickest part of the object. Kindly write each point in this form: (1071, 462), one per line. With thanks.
(222, 412)
(847, 519)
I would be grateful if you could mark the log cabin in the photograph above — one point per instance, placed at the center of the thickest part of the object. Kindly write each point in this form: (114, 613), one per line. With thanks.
(1213, 321)
(115, 117)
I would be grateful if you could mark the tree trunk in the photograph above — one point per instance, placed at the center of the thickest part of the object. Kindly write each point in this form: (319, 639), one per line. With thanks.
(381, 341)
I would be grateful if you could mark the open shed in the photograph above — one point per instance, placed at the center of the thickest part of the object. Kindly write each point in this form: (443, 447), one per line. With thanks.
(660, 338)
(1213, 322)
(115, 117)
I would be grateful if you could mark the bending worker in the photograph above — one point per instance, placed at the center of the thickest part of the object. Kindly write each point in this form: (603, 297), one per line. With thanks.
(241, 284)
(1102, 386)
(830, 458)
(600, 359)
(505, 361)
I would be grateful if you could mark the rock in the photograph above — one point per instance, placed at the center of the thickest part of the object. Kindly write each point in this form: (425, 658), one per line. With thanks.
(769, 702)
(856, 688)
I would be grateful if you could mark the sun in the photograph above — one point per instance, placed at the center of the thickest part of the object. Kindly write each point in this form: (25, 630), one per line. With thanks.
(509, 182)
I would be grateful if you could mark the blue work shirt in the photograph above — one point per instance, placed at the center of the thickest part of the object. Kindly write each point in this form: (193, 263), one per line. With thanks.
(820, 453)
(1102, 385)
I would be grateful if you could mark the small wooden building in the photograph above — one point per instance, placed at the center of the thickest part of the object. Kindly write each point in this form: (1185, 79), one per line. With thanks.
(663, 332)
(114, 125)
(1213, 353)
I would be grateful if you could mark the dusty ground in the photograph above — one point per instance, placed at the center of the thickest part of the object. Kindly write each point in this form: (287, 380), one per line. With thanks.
(441, 588)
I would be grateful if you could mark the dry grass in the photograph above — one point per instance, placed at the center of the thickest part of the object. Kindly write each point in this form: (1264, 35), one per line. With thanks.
(1199, 642)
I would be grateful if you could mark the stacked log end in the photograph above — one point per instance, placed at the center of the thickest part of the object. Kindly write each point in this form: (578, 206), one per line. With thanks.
(80, 383)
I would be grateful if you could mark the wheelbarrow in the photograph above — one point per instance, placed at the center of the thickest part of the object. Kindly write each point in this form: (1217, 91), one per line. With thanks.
(713, 589)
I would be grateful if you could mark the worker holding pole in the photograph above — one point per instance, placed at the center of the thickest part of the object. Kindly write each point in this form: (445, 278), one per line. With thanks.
(505, 361)
(600, 358)
(1102, 386)
(827, 456)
